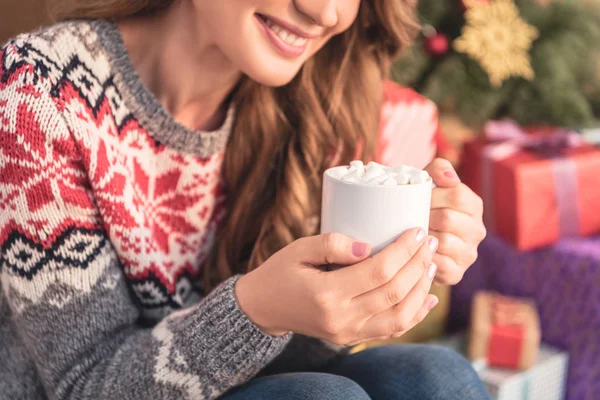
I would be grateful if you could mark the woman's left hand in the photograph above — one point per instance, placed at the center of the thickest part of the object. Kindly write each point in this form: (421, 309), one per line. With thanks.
(456, 219)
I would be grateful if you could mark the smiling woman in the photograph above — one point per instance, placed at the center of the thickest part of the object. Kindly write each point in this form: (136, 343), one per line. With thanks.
(161, 162)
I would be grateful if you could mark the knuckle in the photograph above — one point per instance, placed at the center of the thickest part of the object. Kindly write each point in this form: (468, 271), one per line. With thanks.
(482, 232)
(454, 279)
(445, 219)
(326, 301)
(401, 323)
(332, 242)
(425, 262)
(474, 254)
(381, 273)
(331, 325)
(396, 294)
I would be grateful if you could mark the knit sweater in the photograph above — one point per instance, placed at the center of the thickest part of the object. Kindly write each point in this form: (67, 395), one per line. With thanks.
(108, 208)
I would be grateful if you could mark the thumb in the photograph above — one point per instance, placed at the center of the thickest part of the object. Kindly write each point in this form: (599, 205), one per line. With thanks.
(330, 248)
(443, 173)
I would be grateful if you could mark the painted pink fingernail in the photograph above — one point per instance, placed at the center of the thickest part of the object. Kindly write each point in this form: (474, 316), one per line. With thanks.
(359, 249)
(450, 174)
(421, 235)
(434, 302)
(433, 244)
(431, 270)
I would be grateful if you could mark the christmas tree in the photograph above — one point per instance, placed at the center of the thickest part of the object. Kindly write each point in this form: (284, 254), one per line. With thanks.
(536, 61)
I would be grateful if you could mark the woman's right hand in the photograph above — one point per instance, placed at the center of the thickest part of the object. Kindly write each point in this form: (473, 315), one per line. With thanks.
(372, 298)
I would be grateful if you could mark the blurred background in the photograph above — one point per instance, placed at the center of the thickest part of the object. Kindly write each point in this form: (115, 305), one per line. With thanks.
(517, 83)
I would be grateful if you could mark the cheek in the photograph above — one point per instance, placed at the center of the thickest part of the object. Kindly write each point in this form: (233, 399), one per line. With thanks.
(347, 14)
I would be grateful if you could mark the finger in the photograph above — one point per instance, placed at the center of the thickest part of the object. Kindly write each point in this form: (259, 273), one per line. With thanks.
(456, 248)
(379, 269)
(399, 318)
(393, 292)
(454, 222)
(429, 304)
(449, 272)
(460, 198)
(443, 174)
(330, 248)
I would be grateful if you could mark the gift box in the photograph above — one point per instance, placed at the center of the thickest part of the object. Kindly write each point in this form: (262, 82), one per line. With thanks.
(504, 331)
(537, 187)
(564, 282)
(544, 380)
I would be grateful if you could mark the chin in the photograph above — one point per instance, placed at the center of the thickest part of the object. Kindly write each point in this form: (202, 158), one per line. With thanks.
(272, 75)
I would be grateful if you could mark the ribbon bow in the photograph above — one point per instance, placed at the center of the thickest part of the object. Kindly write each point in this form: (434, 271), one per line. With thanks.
(549, 141)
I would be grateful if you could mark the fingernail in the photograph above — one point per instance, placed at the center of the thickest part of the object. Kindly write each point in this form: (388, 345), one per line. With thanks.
(421, 235)
(450, 174)
(432, 303)
(359, 249)
(431, 270)
(433, 244)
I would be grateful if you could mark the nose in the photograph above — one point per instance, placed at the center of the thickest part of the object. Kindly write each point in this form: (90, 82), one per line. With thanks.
(322, 12)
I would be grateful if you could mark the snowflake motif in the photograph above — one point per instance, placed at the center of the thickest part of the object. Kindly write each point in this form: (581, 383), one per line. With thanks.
(498, 38)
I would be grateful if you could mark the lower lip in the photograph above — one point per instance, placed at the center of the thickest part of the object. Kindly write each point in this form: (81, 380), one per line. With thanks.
(282, 47)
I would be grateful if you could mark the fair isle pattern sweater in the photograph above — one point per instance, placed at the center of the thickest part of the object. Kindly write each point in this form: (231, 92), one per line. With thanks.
(108, 208)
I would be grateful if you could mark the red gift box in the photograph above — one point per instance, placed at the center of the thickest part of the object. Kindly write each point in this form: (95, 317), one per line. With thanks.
(504, 331)
(537, 187)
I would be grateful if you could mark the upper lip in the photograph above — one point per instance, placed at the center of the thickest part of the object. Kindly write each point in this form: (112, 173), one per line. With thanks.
(289, 27)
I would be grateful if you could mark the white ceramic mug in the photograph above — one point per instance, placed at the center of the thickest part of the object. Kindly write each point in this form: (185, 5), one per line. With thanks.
(375, 214)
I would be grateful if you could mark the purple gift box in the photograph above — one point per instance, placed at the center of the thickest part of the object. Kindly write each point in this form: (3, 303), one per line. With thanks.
(564, 280)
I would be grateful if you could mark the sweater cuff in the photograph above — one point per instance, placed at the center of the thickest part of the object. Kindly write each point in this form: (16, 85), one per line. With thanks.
(222, 334)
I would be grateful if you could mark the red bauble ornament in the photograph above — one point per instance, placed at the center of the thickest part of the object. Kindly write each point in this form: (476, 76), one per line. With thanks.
(438, 44)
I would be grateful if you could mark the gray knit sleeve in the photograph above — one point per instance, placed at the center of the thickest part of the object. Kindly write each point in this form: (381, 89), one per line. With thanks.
(69, 301)
(82, 335)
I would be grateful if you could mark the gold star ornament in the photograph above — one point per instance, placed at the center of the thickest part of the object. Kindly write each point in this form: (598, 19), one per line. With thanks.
(498, 38)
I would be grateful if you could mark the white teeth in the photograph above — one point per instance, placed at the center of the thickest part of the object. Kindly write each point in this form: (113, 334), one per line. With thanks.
(286, 35)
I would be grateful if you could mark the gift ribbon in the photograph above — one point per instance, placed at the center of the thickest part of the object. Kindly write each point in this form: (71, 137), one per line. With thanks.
(505, 344)
(510, 139)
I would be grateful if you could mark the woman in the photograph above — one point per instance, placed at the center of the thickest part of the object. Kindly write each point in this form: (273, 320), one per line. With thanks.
(160, 170)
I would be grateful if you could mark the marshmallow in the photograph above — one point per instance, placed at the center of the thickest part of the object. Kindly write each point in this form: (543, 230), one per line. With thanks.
(403, 179)
(352, 175)
(338, 173)
(418, 176)
(380, 179)
(373, 164)
(374, 172)
(359, 165)
(390, 182)
(377, 174)
(403, 169)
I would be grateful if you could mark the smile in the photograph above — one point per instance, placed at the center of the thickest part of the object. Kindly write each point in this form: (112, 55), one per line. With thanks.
(287, 40)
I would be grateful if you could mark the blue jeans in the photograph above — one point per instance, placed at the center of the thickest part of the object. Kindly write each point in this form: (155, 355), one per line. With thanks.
(390, 372)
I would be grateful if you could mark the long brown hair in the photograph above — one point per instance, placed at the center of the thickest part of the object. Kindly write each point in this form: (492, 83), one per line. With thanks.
(283, 138)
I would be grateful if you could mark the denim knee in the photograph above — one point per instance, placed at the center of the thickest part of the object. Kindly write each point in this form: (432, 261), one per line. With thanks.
(442, 374)
(299, 386)
(413, 372)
